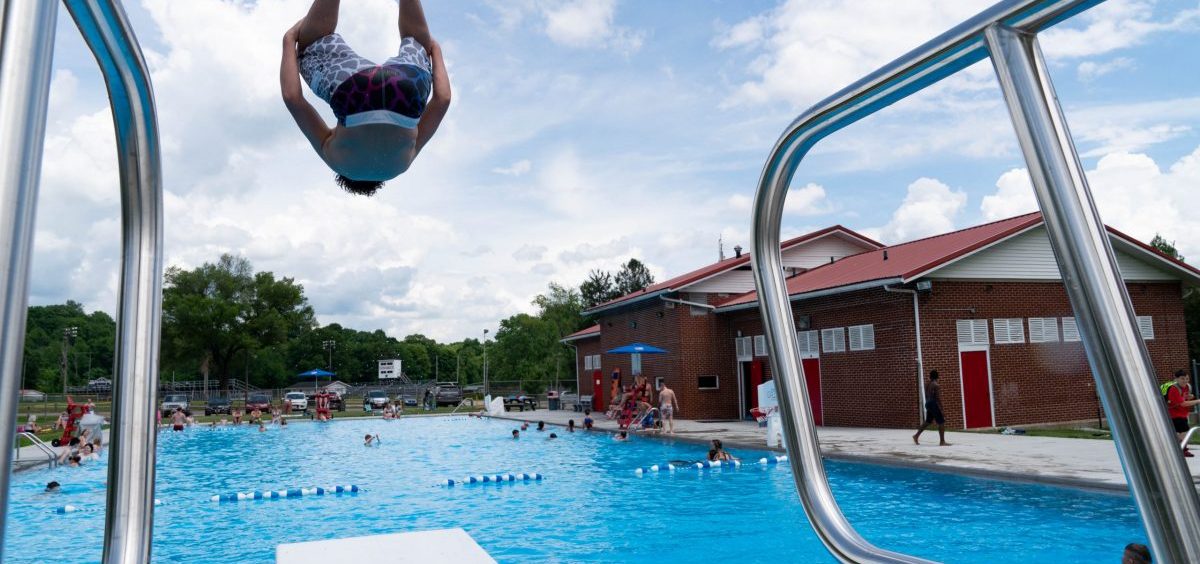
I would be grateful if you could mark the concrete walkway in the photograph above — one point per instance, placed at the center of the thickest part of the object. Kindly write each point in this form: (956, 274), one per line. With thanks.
(1081, 463)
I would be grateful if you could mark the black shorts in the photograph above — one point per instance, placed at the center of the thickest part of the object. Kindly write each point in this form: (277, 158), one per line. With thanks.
(1181, 424)
(933, 413)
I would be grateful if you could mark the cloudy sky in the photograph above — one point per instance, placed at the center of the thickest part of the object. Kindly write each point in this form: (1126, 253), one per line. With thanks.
(586, 132)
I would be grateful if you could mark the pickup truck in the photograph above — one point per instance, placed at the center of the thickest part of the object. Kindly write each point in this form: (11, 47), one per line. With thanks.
(171, 402)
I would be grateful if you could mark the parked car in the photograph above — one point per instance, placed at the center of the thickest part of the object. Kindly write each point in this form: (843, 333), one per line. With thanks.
(448, 393)
(218, 405)
(32, 395)
(407, 399)
(171, 402)
(297, 400)
(260, 401)
(375, 399)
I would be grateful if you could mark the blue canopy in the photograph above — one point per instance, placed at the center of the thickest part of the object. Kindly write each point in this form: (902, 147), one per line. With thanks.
(637, 348)
(316, 373)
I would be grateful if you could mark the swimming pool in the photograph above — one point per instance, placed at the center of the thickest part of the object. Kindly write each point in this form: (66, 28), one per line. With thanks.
(591, 506)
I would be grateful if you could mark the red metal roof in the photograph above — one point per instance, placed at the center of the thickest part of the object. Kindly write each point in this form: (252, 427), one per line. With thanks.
(723, 266)
(915, 258)
(593, 331)
(903, 261)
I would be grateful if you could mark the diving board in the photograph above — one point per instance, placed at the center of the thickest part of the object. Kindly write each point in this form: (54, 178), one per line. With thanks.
(442, 545)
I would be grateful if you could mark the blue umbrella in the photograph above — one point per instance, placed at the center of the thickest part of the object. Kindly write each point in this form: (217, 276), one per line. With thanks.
(315, 373)
(637, 348)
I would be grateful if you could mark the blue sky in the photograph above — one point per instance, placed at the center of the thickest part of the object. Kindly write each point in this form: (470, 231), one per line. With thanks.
(587, 132)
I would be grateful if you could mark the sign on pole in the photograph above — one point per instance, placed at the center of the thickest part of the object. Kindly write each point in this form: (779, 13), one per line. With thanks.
(389, 369)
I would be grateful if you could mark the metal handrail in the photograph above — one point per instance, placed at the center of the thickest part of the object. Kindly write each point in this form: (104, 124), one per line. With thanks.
(1188, 437)
(1119, 361)
(26, 43)
(128, 520)
(51, 456)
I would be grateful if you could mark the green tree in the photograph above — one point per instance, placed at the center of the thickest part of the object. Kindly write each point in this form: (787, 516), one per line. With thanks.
(216, 314)
(1191, 301)
(632, 277)
(90, 352)
(598, 288)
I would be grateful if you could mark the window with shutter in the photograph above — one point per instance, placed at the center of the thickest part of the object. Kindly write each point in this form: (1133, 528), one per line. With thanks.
(862, 337)
(972, 332)
(742, 344)
(1043, 329)
(587, 362)
(1146, 326)
(1008, 331)
(1070, 331)
(810, 345)
(833, 340)
(760, 345)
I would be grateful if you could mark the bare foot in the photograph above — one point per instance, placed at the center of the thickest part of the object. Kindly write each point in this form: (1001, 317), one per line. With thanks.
(915, 441)
(944, 443)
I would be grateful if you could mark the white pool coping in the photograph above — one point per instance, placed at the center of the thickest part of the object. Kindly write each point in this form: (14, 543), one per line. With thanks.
(440, 545)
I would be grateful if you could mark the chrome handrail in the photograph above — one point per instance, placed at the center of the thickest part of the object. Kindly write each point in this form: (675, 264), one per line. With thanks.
(26, 44)
(37, 442)
(1118, 359)
(1188, 437)
(129, 518)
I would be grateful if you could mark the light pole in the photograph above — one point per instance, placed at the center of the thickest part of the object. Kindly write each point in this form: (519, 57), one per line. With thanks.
(69, 335)
(329, 346)
(485, 364)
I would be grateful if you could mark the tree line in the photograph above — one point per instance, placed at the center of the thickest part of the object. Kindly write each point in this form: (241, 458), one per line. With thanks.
(229, 322)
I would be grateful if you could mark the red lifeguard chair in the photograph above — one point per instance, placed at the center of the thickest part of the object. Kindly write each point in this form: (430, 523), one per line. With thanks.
(74, 412)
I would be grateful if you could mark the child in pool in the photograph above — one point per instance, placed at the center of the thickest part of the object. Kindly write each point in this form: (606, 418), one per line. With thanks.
(385, 113)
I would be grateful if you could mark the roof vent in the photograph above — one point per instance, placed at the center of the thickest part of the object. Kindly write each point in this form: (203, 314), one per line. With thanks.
(885, 254)
(737, 251)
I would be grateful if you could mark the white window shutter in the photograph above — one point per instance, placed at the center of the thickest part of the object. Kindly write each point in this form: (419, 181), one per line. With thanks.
(868, 337)
(1016, 330)
(1000, 329)
(855, 337)
(965, 335)
(587, 362)
(1070, 331)
(1146, 326)
(979, 331)
(1036, 330)
(760, 345)
(833, 340)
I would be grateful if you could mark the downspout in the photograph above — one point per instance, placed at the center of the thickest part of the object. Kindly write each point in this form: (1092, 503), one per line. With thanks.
(920, 360)
(576, 368)
(687, 303)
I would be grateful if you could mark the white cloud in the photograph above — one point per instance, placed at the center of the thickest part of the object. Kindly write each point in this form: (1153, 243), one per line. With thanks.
(807, 200)
(929, 208)
(749, 32)
(1013, 196)
(1132, 192)
(1113, 25)
(589, 23)
(516, 169)
(1091, 70)
(530, 253)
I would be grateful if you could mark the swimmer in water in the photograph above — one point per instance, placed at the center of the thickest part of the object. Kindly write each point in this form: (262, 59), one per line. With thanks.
(369, 440)
(516, 434)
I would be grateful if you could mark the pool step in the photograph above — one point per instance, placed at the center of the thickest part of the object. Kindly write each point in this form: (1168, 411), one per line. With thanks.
(441, 545)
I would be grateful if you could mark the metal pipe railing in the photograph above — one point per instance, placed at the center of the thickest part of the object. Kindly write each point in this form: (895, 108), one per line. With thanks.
(1161, 483)
(128, 522)
(1121, 369)
(26, 46)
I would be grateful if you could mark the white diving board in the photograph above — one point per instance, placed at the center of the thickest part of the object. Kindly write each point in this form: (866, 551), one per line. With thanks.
(442, 545)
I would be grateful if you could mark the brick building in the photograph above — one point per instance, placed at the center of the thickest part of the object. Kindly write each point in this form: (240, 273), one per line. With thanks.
(984, 306)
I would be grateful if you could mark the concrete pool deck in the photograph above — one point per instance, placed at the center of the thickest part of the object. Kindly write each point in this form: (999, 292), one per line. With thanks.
(1081, 463)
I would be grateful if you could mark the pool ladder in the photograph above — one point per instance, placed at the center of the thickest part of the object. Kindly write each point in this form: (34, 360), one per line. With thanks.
(27, 29)
(1006, 33)
(51, 456)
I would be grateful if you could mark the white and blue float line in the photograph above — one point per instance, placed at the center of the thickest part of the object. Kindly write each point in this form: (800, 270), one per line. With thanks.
(708, 464)
(285, 493)
(493, 479)
(63, 510)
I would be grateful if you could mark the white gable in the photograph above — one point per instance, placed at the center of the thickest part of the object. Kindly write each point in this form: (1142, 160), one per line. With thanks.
(816, 252)
(1028, 257)
(805, 255)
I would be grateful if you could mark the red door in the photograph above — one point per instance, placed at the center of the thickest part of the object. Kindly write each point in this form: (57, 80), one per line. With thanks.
(598, 390)
(756, 373)
(812, 380)
(977, 391)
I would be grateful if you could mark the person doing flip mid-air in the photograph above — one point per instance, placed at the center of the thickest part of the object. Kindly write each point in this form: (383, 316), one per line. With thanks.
(385, 113)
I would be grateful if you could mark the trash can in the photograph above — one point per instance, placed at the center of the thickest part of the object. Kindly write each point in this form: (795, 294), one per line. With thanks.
(552, 401)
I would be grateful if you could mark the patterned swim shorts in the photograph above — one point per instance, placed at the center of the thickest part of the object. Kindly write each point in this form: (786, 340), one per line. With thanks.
(360, 91)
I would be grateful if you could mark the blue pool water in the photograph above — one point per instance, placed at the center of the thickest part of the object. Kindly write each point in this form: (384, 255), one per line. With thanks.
(591, 507)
